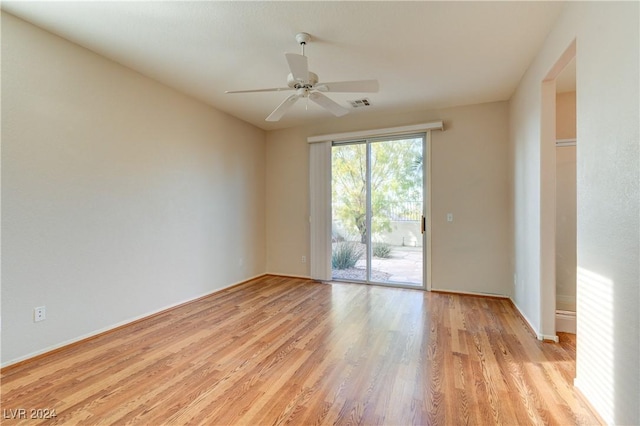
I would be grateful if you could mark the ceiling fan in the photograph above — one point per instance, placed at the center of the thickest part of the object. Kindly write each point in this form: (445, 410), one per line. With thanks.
(306, 85)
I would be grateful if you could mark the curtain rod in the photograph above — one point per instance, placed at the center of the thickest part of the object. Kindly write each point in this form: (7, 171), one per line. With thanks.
(416, 128)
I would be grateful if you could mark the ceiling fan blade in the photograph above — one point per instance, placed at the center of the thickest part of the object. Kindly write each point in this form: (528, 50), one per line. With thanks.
(366, 86)
(299, 66)
(328, 104)
(275, 89)
(282, 108)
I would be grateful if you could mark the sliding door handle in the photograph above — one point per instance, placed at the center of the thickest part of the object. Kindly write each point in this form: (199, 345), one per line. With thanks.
(423, 225)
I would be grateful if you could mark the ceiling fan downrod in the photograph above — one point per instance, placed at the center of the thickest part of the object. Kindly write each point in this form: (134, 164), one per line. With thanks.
(303, 39)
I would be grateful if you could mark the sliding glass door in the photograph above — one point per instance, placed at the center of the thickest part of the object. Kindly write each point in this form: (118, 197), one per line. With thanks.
(378, 211)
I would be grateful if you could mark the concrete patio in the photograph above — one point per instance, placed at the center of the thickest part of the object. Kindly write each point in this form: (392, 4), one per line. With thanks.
(403, 266)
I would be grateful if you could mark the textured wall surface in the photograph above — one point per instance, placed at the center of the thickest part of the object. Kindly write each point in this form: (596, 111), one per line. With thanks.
(468, 179)
(120, 197)
(608, 197)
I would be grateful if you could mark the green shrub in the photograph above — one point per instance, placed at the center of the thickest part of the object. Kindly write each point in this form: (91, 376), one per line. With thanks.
(345, 255)
(382, 250)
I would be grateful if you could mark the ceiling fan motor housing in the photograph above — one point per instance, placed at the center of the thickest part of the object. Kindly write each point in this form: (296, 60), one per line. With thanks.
(312, 80)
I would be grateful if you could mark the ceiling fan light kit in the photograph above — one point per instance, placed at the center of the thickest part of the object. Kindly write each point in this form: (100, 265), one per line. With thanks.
(307, 85)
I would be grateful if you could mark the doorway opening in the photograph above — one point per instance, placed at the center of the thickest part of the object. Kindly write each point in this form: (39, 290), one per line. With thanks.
(553, 224)
(566, 264)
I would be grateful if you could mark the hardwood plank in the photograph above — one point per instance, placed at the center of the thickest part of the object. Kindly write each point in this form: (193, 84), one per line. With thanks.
(280, 350)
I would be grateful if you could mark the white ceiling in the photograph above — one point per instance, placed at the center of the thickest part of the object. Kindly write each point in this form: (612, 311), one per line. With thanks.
(424, 54)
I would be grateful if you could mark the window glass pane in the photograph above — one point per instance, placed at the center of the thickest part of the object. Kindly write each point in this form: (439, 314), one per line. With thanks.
(349, 195)
(396, 211)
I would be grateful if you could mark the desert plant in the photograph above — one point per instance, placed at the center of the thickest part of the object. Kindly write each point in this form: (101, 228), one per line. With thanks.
(382, 250)
(345, 255)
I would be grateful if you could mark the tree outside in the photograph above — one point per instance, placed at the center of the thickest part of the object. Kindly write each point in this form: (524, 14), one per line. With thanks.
(396, 185)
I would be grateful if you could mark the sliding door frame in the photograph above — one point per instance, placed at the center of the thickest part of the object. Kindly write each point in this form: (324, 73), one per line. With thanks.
(320, 194)
(426, 210)
(425, 220)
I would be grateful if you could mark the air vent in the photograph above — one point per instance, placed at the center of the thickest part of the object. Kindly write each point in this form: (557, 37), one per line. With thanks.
(364, 102)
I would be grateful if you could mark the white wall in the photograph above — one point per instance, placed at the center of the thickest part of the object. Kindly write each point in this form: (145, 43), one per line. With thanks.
(566, 115)
(566, 203)
(469, 179)
(120, 196)
(608, 229)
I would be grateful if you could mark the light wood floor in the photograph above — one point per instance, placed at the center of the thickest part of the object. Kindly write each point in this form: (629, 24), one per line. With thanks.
(280, 350)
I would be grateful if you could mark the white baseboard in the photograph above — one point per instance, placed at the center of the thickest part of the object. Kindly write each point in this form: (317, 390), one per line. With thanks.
(119, 324)
(537, 333)
(565, 302)
(526, 319)
(550, 337)
(278, 274)
(566, 321)
(470, 293)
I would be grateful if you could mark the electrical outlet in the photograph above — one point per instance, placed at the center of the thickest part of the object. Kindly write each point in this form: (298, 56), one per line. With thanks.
(39, 314)
(304, 259)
